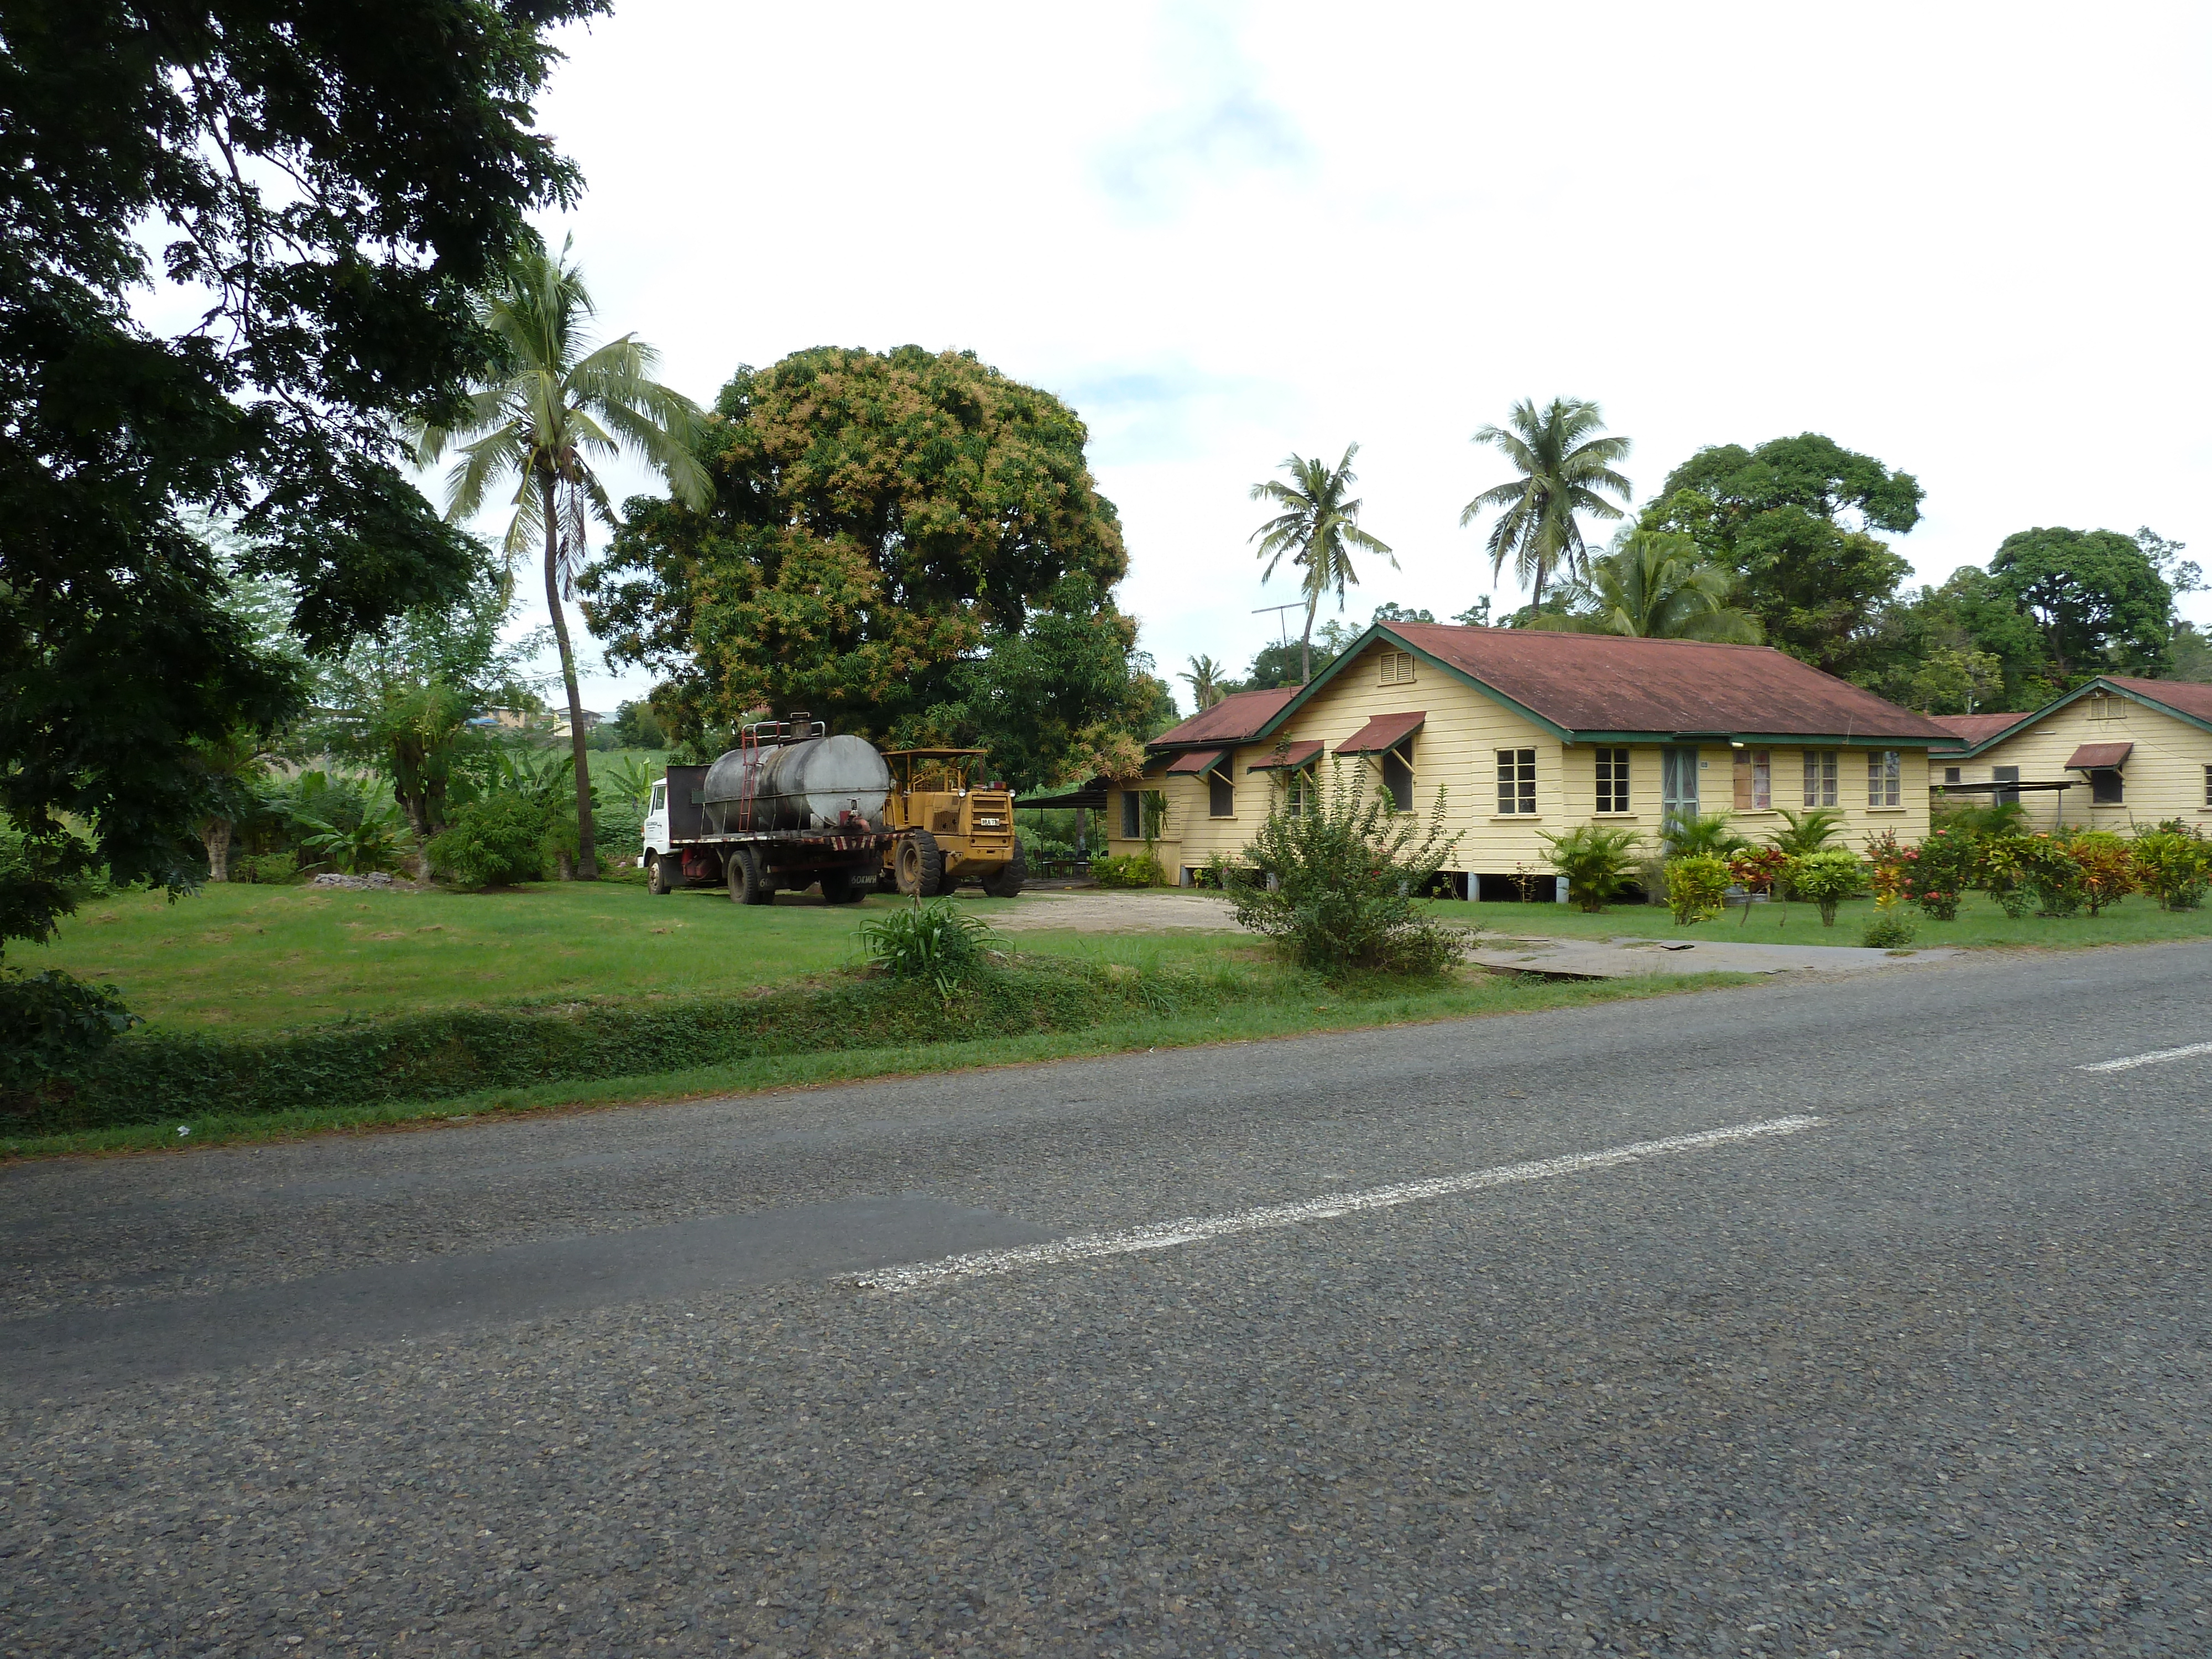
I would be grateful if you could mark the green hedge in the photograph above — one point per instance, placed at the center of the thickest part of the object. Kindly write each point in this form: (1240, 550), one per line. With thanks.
(152, 1076)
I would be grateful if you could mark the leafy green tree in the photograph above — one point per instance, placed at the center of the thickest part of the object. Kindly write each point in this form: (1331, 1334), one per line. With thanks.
(1566, 468)
(1476, 615)
(1388, 612)
(2096, 598)
(1655, 585)
(1064, 697)
(1794, 519)
(334, 188)
(551, 400)
(2190, 653)
(1317, 530)
(1287, 662)
(878, 521)
(637, 727)
(1956, 680)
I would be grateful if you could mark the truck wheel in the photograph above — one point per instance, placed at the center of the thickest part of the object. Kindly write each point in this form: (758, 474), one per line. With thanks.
(920, 865)
(1007, 880)
(664, 872)
(747, 884)
(841, 887)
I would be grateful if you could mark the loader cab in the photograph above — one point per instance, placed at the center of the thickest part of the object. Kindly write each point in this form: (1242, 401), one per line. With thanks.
(954, 824)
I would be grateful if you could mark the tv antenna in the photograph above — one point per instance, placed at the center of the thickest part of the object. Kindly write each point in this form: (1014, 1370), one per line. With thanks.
(1296, 604)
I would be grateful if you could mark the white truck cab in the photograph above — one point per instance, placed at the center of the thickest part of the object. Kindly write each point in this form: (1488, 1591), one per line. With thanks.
(655, 835)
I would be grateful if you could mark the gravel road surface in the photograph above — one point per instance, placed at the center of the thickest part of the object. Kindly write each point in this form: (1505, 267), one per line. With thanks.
(1929, 1375)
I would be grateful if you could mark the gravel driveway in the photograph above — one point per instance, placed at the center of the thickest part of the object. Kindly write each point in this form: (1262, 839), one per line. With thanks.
(1927, 1376)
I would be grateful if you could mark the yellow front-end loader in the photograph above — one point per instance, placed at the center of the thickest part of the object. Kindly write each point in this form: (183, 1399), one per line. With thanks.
(947, 828)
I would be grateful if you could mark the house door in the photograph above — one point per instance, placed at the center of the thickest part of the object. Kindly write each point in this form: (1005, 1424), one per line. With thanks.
(1678, 786)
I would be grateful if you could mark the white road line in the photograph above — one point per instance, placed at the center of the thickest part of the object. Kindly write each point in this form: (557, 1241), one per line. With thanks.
(2150, 1058)
(1162, 1235)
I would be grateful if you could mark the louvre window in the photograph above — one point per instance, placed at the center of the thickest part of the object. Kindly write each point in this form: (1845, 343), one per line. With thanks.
(1820, 777)
(1133, 825)
(1396, 667)
(1885, 778)
(1613, 780)
(1517, 781)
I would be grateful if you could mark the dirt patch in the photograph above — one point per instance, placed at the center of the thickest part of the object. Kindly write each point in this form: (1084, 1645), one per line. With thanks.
(1149, 911)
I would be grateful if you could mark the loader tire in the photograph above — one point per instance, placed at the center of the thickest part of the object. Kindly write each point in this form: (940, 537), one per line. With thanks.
(1006, 880)
(920, 865)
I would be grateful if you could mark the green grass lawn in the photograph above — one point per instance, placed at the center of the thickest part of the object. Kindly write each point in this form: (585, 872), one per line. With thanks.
(239, 960)
(2136, 921)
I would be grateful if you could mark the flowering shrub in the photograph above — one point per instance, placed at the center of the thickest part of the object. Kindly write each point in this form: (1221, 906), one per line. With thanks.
(1696, 886)
(2049, 871)
(1943, 868)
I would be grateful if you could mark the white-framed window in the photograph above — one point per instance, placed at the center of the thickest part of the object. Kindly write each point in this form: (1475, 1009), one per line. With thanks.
(1820, 777)
(1613, 780)
(660, 801)
(1517, 781)
(1885, 777)
(1394, 667)
(1299, 787)
(1755, 780)
(1951, 774)
(2208, 786)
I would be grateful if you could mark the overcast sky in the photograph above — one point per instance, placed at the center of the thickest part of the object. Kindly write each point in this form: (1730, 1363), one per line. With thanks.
(1967, 239)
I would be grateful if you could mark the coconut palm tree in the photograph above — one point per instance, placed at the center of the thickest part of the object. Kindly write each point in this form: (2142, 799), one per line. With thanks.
(551, 403)
(1655, 585)
(1205, 682)
(1566, 468)
(1317, 529)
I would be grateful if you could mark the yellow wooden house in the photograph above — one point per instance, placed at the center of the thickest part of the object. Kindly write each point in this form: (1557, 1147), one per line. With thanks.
(1528, 732)
(2115, 753)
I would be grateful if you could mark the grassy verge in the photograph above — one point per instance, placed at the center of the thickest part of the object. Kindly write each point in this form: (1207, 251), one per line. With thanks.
(240, 961)
(2135, 921)
(1286, 1007)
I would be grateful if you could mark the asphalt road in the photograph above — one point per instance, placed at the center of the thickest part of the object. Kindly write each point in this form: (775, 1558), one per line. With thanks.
(1929, 1375)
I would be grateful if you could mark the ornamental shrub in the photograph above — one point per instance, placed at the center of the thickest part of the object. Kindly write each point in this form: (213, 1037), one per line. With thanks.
(1335, 880)
(1826, 878)
(1126, 870)
(2052, 873)
(1697, 886)
(2173, 864)
(1597, 859)
(1943, 867)
(941, 942)
(2001, 863)
(2108, 867)
(1888, 930)
(493, 842)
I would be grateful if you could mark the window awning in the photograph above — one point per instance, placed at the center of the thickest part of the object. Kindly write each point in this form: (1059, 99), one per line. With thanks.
(1383, 732)
(1292, 758)
(2096, 756)
(1200, 760)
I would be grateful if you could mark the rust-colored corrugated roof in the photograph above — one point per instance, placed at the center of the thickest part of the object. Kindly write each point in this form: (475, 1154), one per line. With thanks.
(1196, 760)
(1609, 683)
(2189, 696)
(2090, 757)
(1238, 716)
(1383, 732)
(1297, 755)
(1972, 728)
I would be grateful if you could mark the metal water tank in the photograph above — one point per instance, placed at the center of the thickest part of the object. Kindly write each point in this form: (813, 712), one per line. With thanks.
(815, 783)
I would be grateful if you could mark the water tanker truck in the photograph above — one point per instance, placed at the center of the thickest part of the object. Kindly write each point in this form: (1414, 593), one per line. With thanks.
(789, 807)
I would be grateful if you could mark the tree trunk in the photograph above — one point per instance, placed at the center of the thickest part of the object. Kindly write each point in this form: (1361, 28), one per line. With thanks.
(418, 821)
(588, 860)
(216, 835)
(1305, 650)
